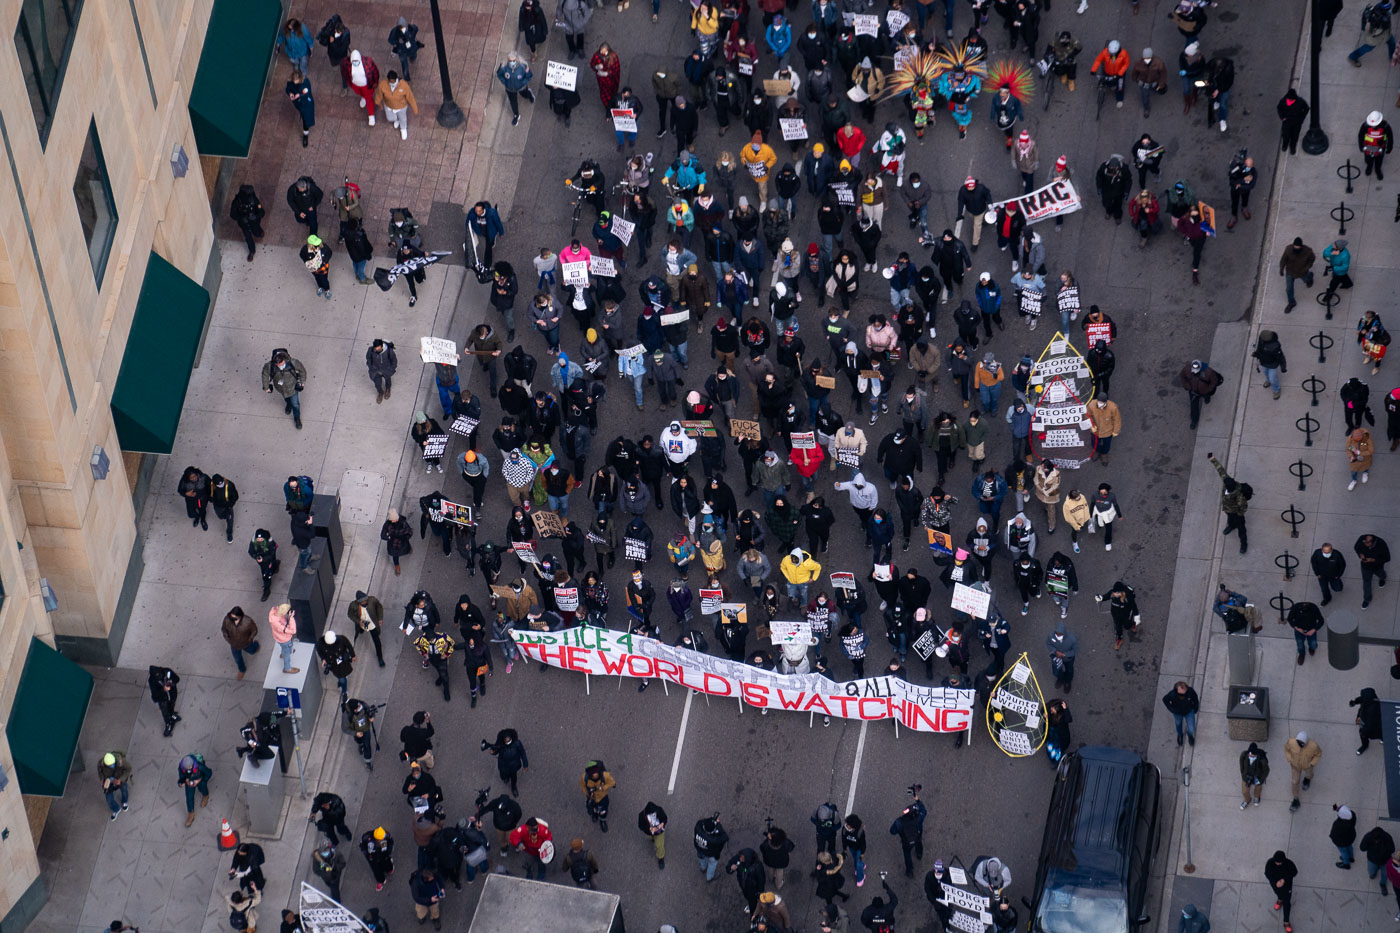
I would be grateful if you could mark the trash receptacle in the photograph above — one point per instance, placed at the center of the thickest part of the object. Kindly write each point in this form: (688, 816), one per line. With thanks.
(1247, 713)
(1343, 639)
(325, 512)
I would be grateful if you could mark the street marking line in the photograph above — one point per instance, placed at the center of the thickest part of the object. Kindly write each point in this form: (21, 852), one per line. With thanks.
(680, 743)
(855, 769)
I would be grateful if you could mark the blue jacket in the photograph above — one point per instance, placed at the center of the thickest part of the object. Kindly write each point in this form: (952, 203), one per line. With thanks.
(828, 22)
(1340, 260)
(690, 175)
(1020, 423)
(778, 35)
(818, 171)
(649, 332)
(489, 226)
(515, 76)
(881, 532)
(297, 45)
(989, 298)
(752, 262)
(903, 279)
(998, 488)
(1011, 110)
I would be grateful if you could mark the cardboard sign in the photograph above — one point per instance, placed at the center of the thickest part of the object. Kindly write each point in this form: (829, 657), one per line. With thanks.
(575, 273)
(601, 265)
(940, 541)
(843, 580)
(525, 550)
(566, 598)
(870, 374)
(560, 75)
(625, 121)
(604, 652)
(464, 425)
(674, 317)
(972, 601)
(434, 446)
(825, 382)
(793, 128)
(710, 601)
(1054, 200)
(438, 350)
(623, 229)
(1094, 331)
(865, 24)
(744, 429)
(790, 633)
(848, 456)
(699, 428)
(636, 549)
(923, 645)
(777, 87)
(803, 440)
(547, 524)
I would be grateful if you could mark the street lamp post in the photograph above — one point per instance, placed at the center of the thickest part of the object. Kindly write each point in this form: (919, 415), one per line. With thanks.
(1315, 140)
(449, 115)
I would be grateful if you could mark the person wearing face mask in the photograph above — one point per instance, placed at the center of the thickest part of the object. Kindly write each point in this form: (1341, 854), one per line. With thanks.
(1149, 73)
(1254, 771)
(1193, 229)
(396, 97)
(361, 75)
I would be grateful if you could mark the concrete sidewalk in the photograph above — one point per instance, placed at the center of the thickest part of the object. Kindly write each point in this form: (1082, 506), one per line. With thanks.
(146, 867)
(1230, 846)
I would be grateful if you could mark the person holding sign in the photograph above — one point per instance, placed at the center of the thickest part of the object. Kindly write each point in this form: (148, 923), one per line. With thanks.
(759, 159)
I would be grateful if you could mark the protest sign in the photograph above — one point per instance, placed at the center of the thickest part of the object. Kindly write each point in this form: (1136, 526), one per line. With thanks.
(793, 128)
(575, 273)
(438, 350)
(972, 601)
(453, 512)
(636, 549)
(1094, 331)
(560, 75)
(843, 579)
(776, 87)
(844, 195)
(866, 24)
(602, 265)
(896, 20)
(825, 382)
(548, 524)
(710, 601)
(734, 613)
(464, 425)
(849, 456)
(434, 446)
(1016, 711)
(744, 429)
(624, 121)
(924, 644)
(790, 633)
(599, 652)
(803, 440)
(674, 317)
(1054, 200)
(623, 229)
(699, 428)
(903, 56)
(633, 351)
(566, 598)
(320, 913)
(870, 374)
(746, 66)
(940, 541)
(525, 550)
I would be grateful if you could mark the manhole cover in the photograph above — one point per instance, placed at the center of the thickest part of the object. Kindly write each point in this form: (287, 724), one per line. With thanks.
(360, 493)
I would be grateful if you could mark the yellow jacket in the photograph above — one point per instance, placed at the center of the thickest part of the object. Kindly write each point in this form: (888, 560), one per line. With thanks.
(804, 571)
(759, 163)
(1076, 511)
(705, 25)
(395, 98)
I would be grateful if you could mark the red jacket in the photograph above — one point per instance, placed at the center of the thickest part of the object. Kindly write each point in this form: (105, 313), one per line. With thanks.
(371, 71)
(807, 461)
(850, 145)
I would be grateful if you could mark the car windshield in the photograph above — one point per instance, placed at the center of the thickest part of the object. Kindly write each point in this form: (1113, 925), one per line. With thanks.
(1069, 908)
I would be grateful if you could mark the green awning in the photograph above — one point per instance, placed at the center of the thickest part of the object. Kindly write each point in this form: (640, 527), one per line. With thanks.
(232, 69)
(155, 373)
(46, 718)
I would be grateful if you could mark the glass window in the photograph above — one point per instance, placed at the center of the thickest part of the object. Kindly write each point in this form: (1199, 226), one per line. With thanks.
(97, 211)
(43, 39)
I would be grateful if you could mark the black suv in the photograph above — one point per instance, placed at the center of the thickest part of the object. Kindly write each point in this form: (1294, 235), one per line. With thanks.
(1101, 837)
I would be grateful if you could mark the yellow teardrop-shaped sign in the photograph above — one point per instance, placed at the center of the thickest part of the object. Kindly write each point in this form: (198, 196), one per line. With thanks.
(1016, 711)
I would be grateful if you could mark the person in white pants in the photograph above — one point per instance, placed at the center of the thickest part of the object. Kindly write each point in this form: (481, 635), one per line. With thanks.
(396, 97)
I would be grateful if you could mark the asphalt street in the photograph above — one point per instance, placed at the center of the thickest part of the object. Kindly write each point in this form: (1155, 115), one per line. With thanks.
(696, 756)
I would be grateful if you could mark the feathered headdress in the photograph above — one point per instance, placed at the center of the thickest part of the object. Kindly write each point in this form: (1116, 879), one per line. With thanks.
(960, 57)
(919, 68)
(1013, 76)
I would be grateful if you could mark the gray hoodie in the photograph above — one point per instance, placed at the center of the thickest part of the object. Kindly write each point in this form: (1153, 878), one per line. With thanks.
(863, 495)
(1068, 645)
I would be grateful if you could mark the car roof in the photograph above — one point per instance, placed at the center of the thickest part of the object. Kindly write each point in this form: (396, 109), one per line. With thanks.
(1093, 817)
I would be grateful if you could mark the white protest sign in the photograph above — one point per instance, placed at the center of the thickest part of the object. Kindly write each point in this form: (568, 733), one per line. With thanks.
(560, 75)
(1002, 699)
(566, 598)
(1015, 743)
(624, 121)
(674, 317)
(632, 352)
(896, 20)
(843, 579)
(1055, 199)
(710, 601)
(790, 633)
(575, 273)
(803, 440)
(622, 229)
(438, 350)
(601, 265)
(793, 128)
(525, 550)
(902, 57)
(972, 601)
(866, 25)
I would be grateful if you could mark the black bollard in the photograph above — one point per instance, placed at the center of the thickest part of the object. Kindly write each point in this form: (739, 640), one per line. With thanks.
(1350, 173)
(1315, 386)
(1301, 470)
(1288, 564)
(1280, 602)
(1307, 424)
(1341, 214)
(1294, 519)
(1320, 341)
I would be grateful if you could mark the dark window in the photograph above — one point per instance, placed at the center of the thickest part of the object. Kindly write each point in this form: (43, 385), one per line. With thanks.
(97, 211)
(43, 39)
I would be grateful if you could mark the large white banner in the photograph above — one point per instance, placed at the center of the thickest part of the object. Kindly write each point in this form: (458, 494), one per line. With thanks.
(1055, 199)
(604, 652)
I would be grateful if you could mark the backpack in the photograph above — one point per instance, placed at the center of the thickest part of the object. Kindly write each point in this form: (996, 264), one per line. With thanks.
(305, 483)
(238, 919)
(579, 869)
(1376, 20)
(324, 36)
(825, 817)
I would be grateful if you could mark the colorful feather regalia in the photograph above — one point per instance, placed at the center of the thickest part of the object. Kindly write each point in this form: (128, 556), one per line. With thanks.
(958, 57)
(1013, 76)
(918, 70)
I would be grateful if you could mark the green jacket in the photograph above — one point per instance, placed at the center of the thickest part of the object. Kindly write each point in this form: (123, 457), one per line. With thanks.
(285, 381)
(1232, 498)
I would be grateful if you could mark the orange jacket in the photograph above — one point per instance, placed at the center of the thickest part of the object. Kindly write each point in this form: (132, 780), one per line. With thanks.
(1113, 65)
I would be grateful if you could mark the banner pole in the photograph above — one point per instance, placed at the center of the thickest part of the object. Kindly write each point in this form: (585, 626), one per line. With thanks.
(587, 685)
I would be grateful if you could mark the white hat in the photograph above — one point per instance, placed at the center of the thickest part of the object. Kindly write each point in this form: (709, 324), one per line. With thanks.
(1302, 738)
(1344, 812)
(1374, 118)
(985, 277)
(330, 637)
